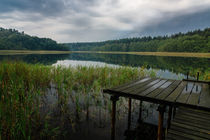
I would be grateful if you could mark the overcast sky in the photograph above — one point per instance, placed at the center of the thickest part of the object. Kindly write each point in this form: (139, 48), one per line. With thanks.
(98, 20)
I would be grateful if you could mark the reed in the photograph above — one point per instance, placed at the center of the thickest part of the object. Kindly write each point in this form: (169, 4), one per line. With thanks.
(23, 85)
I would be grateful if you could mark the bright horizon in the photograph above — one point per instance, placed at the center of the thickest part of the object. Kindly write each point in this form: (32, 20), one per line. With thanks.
(93, 20)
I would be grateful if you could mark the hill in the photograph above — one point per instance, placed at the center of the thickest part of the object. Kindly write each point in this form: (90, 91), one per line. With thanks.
(193, 41)
(11, 39)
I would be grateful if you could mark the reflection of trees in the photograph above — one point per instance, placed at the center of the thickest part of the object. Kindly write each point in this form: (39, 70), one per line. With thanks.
(173, 64)
(46, 59)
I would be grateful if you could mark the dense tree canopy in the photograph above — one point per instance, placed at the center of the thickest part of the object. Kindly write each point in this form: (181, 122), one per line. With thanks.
(193, 41)
(11, 39)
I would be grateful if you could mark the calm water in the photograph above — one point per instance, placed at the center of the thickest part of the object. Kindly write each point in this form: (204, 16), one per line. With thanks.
(166, 67)
(93, 119)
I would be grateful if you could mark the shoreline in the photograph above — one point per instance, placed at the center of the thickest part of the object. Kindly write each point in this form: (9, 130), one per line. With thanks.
(173, 54)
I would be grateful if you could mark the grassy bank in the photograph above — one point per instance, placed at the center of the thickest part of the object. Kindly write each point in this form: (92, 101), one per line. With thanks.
(19, 52)
(174, 54)
(23, 86)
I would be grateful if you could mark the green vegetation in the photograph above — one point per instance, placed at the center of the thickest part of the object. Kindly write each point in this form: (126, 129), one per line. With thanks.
(11, 39)
(173, 64)
(194, 41)
(23, 88)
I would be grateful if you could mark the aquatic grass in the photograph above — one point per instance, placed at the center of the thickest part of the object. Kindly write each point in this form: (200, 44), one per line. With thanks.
(22, 87)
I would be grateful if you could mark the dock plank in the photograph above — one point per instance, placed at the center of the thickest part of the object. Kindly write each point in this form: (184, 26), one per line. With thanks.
(185, 93)
(175, 94)
(172, 136)
(194, 96)
(185, 135)
(157, 91)
(138, 91)
(168, 90)
(204, 117)
(157, 85)
(125, 85)
(137, 86)
(190, 125)
(131, 84)
(191, 132)
(193, 111)
(205, 96)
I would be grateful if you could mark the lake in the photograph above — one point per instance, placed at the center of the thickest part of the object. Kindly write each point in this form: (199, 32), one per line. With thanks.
(165, 67)
(93, 118)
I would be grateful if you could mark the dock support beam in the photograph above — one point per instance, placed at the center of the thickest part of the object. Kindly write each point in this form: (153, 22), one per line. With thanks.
(174, 112)
(169, 117)
(140, 112)
(161, 110)
(114, 99)
(129, 113)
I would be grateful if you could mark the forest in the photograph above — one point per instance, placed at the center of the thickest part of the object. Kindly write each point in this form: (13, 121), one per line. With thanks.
(192, 41)
(11, 39)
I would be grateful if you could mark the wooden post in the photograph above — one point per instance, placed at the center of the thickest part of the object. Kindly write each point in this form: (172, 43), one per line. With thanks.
(187, 75)
(174, 112)
(140, 112)
(161, 110)
(197, 76)
(129, 113)
(197, 80)
(114, 99)
(169, 117)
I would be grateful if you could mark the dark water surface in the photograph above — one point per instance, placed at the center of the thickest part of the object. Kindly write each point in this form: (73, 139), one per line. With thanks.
(92, 118)
(167, 67)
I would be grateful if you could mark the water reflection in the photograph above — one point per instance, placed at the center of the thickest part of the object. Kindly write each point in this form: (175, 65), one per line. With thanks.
(84, 115)
(166, 67)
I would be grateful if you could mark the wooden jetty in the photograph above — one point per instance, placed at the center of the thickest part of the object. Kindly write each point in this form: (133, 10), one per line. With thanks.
(190, 124)
(192, 94)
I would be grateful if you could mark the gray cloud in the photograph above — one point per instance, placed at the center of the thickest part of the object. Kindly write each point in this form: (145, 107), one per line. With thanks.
(95, 20)
(184, 23)
(44, 7)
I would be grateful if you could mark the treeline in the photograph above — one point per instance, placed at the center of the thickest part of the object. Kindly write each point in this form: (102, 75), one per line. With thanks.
(11, 39)
(193, 41)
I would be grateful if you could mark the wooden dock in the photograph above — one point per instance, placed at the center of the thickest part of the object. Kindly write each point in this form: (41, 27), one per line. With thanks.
(190, 124)
(165, 92)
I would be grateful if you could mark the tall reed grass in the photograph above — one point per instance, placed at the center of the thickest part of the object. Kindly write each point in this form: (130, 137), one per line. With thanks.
(23, 85)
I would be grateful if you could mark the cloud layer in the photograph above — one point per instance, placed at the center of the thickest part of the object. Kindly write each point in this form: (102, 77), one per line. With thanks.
(97, 20)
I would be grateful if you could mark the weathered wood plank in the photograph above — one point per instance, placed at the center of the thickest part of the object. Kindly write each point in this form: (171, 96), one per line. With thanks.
(191, 132)
(139, 90)
(195, 111)
(201, 120)
(191, 124)
(205, 96)
(172, 136)
(194, 96)
(186, 126)
(174, 95)
(194, 121)
(137, 86)
(126, 84)
(168, 90)
(133, 83)
(185, 93)
(157, 91)
(194, 115)
(157, 85)
(185, 135)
